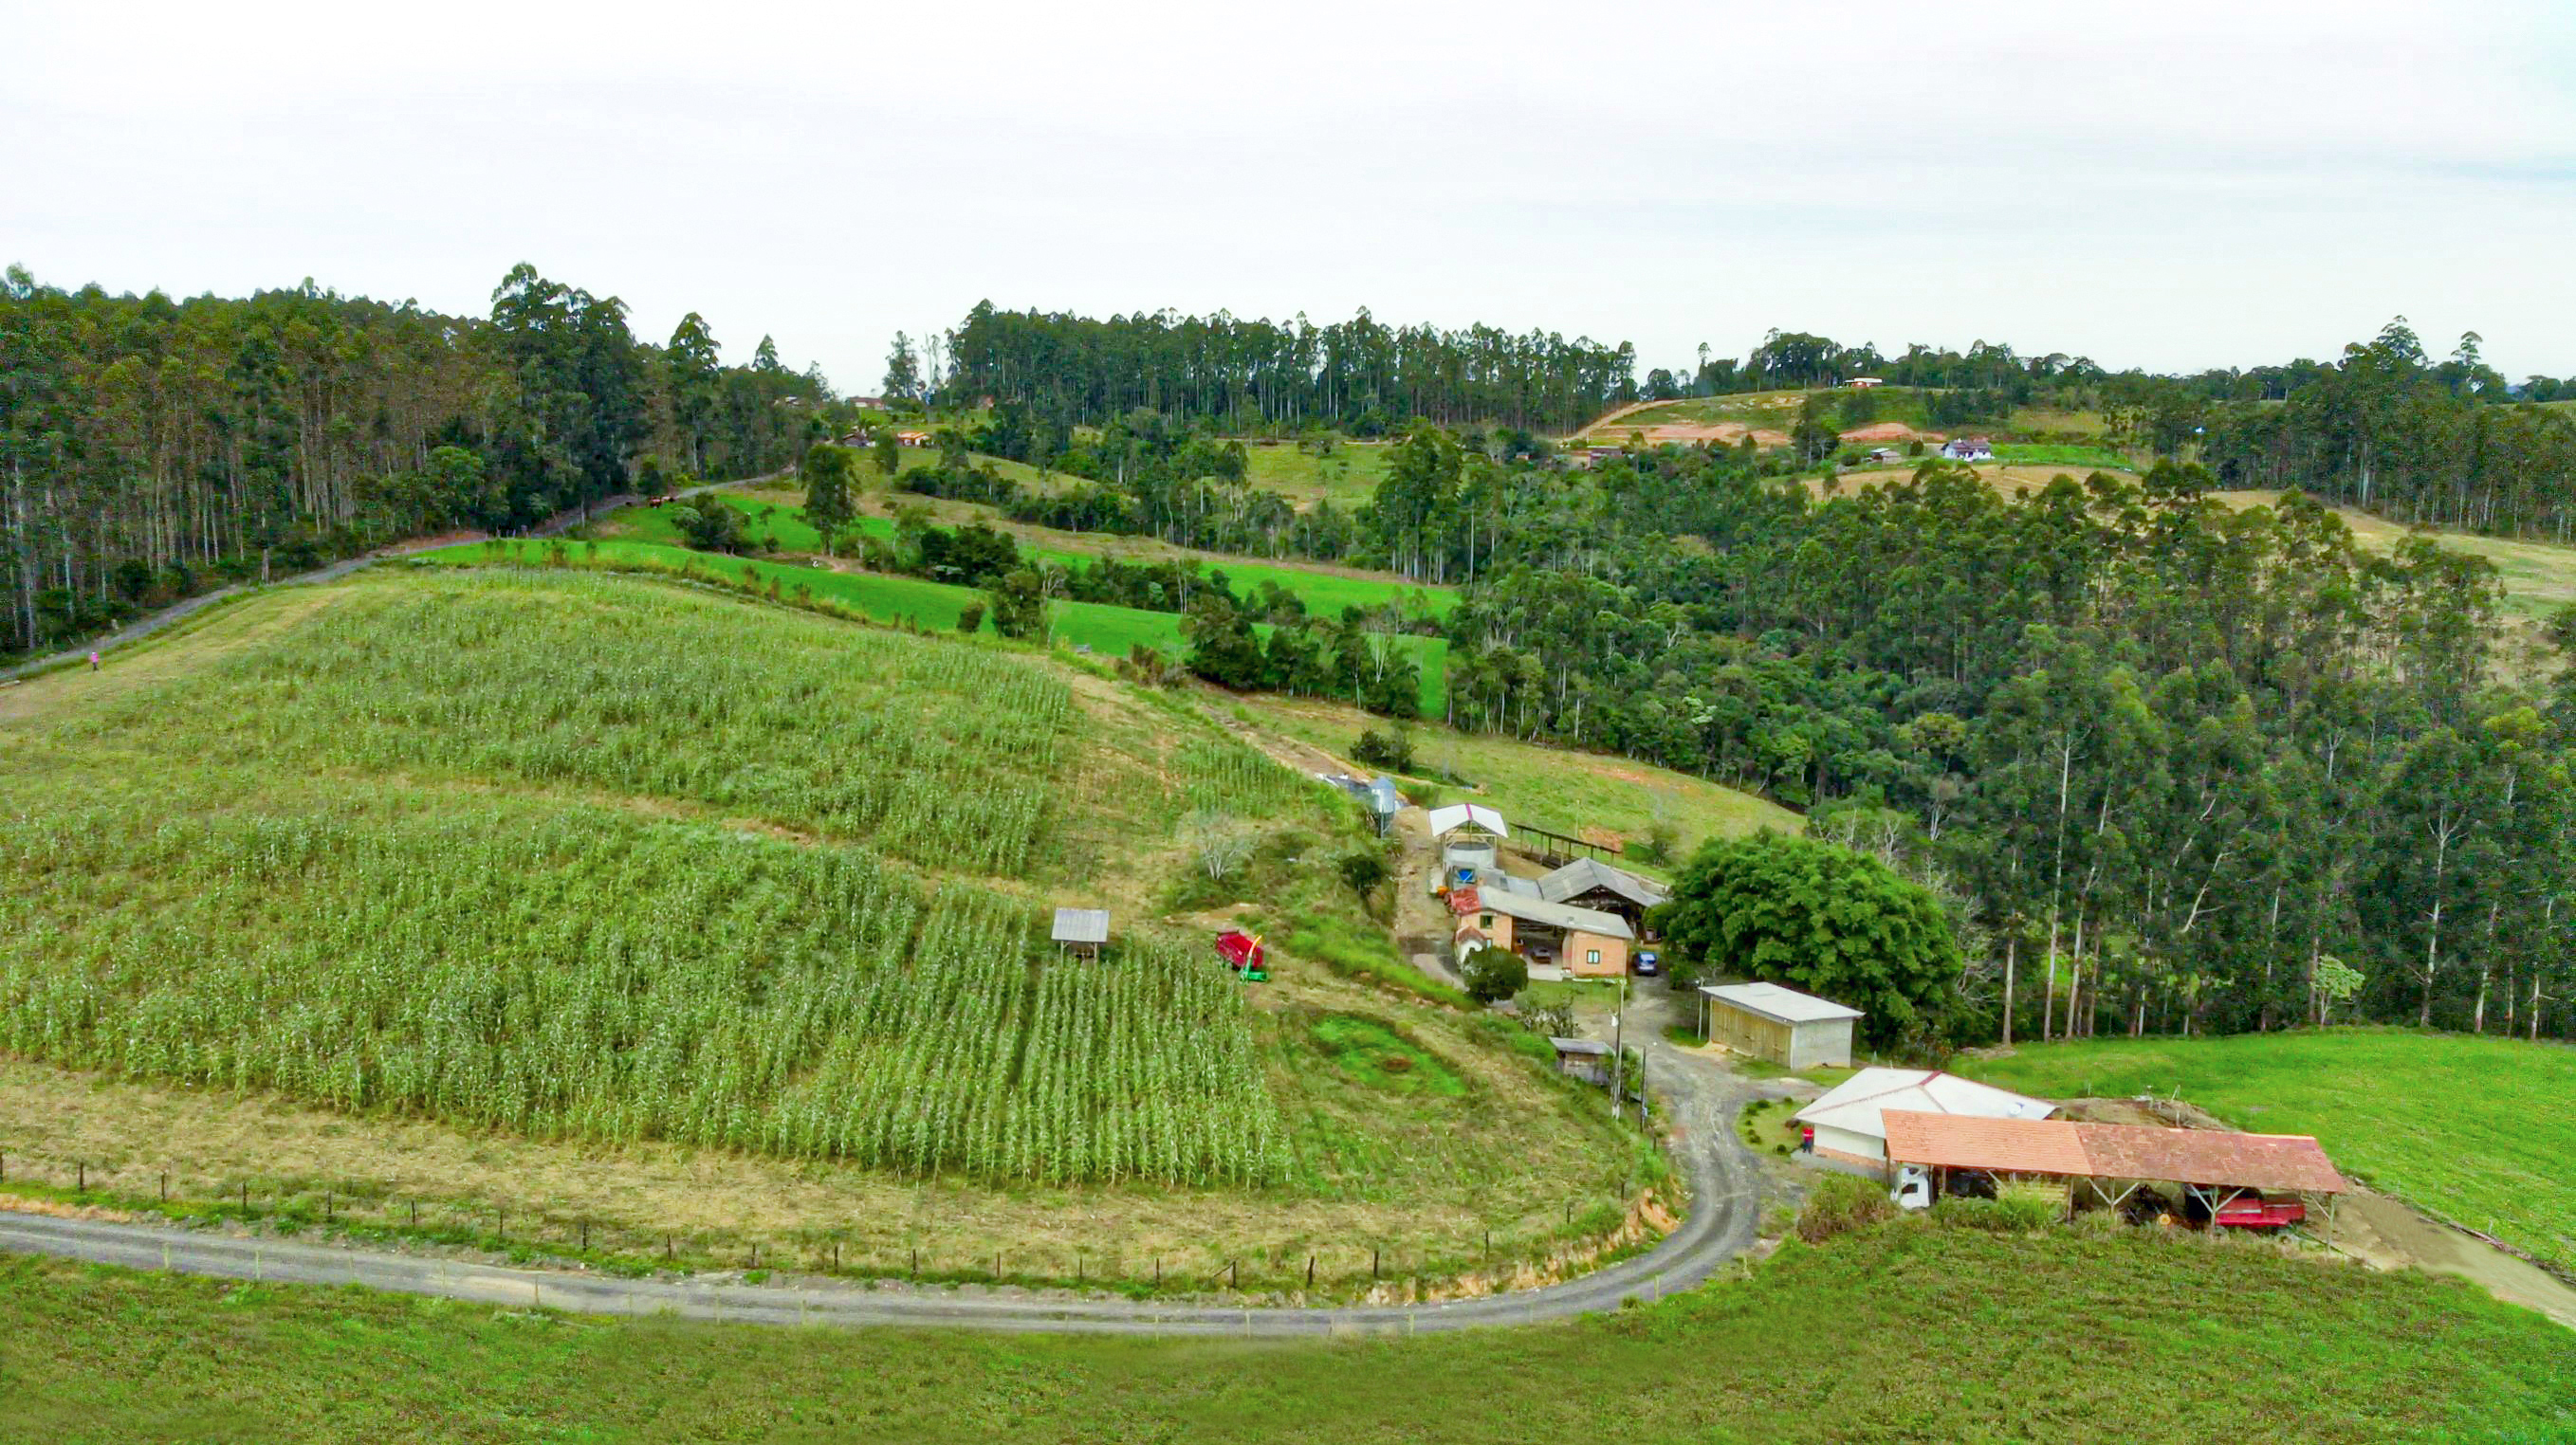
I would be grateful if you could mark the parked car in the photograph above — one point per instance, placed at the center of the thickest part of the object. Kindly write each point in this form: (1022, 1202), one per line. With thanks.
(1648, 965)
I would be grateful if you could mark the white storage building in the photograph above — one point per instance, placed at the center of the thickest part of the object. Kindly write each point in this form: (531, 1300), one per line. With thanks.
(1846, 1120)
(1791, 1029)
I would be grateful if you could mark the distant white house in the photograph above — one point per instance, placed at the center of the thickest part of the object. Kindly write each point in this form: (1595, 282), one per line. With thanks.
(1968, 449)
(1846, 1120)
(1863, 383)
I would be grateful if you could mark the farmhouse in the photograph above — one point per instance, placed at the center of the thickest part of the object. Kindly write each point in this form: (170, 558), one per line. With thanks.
(1845, 1125)
(1591, 883)
(1588, 943)
(1766, 1021)
(1968, 449)
(912, 438)
(1080, 932)
(1863, 383)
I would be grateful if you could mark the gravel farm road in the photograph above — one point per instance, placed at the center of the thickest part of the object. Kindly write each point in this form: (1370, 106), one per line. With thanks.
(1700, 1098)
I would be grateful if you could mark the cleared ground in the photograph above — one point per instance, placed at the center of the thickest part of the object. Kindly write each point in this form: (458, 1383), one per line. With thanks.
(1905, 1334)
(314, 740)
(2477, 1130)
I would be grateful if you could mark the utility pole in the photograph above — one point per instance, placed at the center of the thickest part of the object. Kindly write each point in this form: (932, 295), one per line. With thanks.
(1618, 1052)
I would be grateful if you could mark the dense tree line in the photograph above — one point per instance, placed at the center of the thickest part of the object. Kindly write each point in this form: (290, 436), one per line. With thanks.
(151, 447)
(1359, 374)
(2179, 766)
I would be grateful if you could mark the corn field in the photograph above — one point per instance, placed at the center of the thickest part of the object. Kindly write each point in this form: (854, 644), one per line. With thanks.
(565, 973)
(943, 754)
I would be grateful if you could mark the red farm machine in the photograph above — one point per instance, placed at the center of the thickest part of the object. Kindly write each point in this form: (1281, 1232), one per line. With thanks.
(1242, 953)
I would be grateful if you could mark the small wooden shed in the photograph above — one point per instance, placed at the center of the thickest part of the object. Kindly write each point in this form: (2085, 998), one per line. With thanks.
(1585, 1059)
(1081, 931)
(1766, 1021)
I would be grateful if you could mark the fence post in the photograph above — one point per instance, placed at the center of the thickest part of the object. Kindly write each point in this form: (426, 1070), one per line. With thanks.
(997, 1266)
(501, 1228)
(755, 1256)
(1310, 1271)
(916, 1261)
(245, 1199)
(80, 1177)
(415, 1214)
(1373, 1264)
(1158, 1271)
(165, 1186)
(836, 1256)
(326, 1206)
(585, 1236)
(666, 1249)
(4, 1166)
(1229, 1274)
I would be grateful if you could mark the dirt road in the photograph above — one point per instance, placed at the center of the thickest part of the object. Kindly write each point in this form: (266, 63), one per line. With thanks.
(1697, 1098)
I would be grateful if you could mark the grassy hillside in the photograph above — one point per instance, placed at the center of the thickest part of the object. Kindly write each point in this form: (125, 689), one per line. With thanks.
(1769, 415)
(1326, 592)
(936, 606)
(1908, 1334)
(407, 878)
(1562, 791)
(2481, 1130)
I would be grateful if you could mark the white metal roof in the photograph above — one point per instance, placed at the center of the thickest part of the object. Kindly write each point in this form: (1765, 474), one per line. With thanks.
(1081, 925)
(1554, 915)
(1454, 816)
(1854, 1104)
(1784, 1005)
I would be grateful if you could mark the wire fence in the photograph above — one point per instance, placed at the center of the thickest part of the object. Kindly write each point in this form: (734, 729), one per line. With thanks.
(1527, 1247)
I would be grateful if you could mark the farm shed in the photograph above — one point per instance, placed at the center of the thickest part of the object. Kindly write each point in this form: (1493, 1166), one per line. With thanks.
(1081, 931)
(2216, 1169)
(1766, 1021)
(1585, 1059)
(1591, 883)
(1587, 943)
(1847, 1124)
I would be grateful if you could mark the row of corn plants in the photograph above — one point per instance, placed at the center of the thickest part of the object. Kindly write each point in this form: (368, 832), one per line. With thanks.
(572, 972)
(943, 754)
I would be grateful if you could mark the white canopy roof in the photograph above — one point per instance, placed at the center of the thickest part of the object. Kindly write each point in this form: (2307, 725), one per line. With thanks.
(1771, 1001)
(1854, 1104)
(1449, 819)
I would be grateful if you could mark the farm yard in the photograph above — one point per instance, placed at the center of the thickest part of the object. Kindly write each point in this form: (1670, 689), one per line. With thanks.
(2477, 1130)
(574, 894)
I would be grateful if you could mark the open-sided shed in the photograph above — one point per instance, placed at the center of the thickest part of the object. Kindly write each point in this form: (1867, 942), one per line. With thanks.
(1081, 931)
(2214, 1167)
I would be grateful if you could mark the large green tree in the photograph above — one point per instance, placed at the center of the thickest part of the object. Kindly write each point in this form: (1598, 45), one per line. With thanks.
(1820, 918)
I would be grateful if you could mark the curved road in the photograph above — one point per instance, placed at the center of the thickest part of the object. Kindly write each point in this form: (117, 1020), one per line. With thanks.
(1723, 1210)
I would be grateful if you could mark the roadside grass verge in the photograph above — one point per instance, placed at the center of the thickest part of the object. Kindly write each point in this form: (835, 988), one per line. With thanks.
(1895, 1333)
(2479, 1130)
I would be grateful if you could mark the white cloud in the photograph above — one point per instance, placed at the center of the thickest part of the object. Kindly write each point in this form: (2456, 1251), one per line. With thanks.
(2173, 185)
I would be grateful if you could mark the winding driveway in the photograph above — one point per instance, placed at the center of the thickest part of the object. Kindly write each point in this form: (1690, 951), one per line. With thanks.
(1700, 1098)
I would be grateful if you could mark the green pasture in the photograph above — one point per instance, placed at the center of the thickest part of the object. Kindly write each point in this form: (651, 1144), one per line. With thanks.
(1106, 630)
(1906, 1332)
(2479, 1130)
(1325, 594)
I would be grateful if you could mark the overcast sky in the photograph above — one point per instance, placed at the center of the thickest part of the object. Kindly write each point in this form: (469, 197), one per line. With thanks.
(2175, 185)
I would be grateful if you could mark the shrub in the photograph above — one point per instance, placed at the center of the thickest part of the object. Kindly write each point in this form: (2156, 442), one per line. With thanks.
(970, 617)
(1391, 750)
(2020, 1209)
(1842, 1203)
(1493, 974)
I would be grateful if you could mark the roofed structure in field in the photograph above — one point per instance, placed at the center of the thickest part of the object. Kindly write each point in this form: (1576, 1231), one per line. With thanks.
(2287, 1162)
(1454, 816)
(1589, 875)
